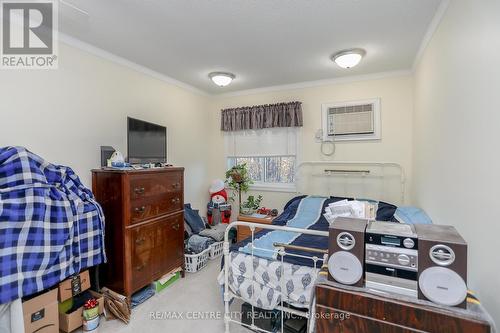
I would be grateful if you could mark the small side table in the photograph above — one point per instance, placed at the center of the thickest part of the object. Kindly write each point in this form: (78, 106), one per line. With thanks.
(244, 232)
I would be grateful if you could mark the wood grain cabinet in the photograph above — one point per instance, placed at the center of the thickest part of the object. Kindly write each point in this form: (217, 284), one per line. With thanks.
(245, 232)
(339, 310)
(144, 225)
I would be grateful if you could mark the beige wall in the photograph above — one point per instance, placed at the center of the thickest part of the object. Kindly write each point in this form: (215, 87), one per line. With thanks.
(64, 115)
(448, 145)
(396, 113)
(457, 132)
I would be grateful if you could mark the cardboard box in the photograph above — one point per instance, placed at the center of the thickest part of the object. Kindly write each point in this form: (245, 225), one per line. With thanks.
(166, 281)
(74, 286)
(71, 321)
(40, 313)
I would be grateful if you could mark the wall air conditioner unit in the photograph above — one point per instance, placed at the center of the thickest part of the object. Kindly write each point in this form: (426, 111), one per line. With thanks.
(351, 121)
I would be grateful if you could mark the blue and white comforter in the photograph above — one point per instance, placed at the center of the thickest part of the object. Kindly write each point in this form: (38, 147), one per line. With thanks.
(303, 212)
(50, 225)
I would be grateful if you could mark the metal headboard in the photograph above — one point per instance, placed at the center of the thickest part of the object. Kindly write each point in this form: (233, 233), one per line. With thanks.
(383, 181)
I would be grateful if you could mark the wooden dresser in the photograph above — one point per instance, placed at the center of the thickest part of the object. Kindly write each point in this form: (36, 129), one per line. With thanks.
(342, 310)
(144, 225)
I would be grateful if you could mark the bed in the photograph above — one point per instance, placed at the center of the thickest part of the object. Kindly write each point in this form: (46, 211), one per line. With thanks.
(276, 267)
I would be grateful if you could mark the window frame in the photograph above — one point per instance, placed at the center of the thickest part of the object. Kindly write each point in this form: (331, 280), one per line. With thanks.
(270, 186)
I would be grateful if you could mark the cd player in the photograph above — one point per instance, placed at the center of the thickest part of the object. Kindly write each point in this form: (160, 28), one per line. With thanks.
(391, 258)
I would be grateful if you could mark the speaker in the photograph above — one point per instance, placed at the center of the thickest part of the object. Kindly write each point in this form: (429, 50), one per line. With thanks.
(346, 251)
(442, 265)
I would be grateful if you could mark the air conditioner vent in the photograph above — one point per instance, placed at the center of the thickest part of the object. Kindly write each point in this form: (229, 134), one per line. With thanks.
(351, 109)
(348, 120)
(352, 120)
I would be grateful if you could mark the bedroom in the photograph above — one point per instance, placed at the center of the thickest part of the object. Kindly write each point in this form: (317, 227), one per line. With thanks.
(432, 65)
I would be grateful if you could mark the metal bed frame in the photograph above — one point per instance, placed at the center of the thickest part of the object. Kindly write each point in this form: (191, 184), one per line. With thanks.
(329, 169)
(279, 249)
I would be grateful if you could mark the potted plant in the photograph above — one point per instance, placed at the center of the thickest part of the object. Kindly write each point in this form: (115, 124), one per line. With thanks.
(238, 180)
(251, 205)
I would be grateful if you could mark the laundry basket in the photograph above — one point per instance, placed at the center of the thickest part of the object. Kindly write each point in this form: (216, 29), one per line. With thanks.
(216, 250)
(196, 262)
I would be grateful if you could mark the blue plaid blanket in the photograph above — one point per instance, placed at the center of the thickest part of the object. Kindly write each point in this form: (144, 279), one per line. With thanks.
(50, 224)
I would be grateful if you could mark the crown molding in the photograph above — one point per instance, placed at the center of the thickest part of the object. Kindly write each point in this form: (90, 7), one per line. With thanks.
(431, 30)
(318, 83)
(81, 45)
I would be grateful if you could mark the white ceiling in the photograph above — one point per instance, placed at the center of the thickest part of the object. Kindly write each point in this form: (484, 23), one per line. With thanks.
(263, 42)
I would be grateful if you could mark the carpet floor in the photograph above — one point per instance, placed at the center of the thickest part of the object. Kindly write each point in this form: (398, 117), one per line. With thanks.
(189, 305)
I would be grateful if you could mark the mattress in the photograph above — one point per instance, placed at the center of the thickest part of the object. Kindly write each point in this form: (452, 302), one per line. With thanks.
(260, 281)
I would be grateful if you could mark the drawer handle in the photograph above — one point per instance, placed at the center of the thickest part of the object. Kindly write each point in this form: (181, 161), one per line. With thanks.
(140, 267)
(140, 241)
(139, 190)
(176, 200)
(175, 227)
(140, 209)
(176, 185)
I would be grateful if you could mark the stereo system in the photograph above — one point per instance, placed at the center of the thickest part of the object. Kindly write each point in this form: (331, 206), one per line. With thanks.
(424, 261)
(442, 276)
(346, 251)
(391, 257)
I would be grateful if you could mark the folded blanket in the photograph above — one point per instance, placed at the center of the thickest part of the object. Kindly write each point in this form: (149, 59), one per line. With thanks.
(198, 244)
(215, 232)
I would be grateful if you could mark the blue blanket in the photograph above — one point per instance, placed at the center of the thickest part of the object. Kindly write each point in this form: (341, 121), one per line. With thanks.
(306, 213)
(50, 225)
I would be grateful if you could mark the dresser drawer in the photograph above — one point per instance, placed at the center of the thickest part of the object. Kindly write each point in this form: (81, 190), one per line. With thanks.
(143, 241)
(144, 185)
(150, 207)
(332, 321)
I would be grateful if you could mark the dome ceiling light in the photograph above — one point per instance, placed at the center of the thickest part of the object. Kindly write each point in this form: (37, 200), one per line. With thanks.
(348, 58)
(221, 79)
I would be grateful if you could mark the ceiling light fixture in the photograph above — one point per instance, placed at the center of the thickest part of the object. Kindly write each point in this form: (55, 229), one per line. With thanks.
(221, 79)
(348, 58)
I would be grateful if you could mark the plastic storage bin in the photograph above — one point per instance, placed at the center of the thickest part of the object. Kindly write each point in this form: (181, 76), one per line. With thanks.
(216, 250)
(196, 262)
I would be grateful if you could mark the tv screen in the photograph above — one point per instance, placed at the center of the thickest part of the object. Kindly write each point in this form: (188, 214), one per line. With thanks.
(147, 142)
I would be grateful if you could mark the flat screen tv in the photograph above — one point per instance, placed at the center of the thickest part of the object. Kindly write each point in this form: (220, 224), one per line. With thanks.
(146, 142)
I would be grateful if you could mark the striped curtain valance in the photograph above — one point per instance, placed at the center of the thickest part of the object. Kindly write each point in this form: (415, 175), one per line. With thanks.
(262, 116)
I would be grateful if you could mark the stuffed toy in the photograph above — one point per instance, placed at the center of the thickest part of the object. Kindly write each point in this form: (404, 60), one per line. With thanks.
(218, 210)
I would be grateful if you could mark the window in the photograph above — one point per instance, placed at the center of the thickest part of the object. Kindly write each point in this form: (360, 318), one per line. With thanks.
(268, 169)
(270, 156)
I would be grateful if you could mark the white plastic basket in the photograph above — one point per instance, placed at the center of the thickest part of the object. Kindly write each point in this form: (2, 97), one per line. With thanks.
(216, 250)
(196, 262)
